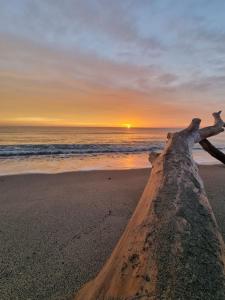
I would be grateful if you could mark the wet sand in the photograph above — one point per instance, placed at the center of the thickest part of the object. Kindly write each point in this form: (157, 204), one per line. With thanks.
(56, 231)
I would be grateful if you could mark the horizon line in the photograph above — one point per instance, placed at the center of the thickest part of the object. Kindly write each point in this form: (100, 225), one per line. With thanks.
(94, 126)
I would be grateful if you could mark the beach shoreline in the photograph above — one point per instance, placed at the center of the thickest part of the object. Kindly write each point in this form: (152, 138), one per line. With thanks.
(58, 229)
(87, 170)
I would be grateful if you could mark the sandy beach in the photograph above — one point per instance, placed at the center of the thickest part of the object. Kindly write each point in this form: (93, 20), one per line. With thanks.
(57, 230)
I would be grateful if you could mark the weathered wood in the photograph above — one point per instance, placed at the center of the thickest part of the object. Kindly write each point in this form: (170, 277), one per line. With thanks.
(212, 150)
(171, 248)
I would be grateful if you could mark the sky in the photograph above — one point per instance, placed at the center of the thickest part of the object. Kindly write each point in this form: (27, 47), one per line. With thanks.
(148, 63)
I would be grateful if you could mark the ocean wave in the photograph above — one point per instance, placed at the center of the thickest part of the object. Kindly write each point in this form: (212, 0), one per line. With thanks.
(75, 149)
(82, 149)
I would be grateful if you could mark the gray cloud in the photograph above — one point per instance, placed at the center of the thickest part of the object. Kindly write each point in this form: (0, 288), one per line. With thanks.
(103, 23)
(47, 63)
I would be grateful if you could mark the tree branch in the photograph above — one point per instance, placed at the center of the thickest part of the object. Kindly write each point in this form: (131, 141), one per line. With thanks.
(212, 150)
(209, 131)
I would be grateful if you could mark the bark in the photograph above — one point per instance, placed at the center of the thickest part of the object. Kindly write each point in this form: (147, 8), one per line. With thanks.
(171, 247)
(212, 150)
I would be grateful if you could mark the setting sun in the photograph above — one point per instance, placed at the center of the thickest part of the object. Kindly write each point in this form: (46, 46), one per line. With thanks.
(128, 126)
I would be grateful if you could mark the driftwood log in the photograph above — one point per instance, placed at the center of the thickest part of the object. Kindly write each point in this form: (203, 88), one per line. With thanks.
(171, 248)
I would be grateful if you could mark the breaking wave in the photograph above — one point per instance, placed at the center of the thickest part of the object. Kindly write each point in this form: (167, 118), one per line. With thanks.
(76, 149)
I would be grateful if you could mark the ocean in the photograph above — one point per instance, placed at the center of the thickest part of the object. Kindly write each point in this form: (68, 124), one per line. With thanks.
(64, 149)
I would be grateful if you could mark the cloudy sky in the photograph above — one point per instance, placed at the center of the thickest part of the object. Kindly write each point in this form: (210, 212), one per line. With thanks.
(108, 63)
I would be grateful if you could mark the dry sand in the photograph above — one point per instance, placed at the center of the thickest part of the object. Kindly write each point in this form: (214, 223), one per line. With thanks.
(56, 231)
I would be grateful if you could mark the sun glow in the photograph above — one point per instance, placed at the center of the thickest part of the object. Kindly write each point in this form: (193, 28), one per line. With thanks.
(128, 126)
